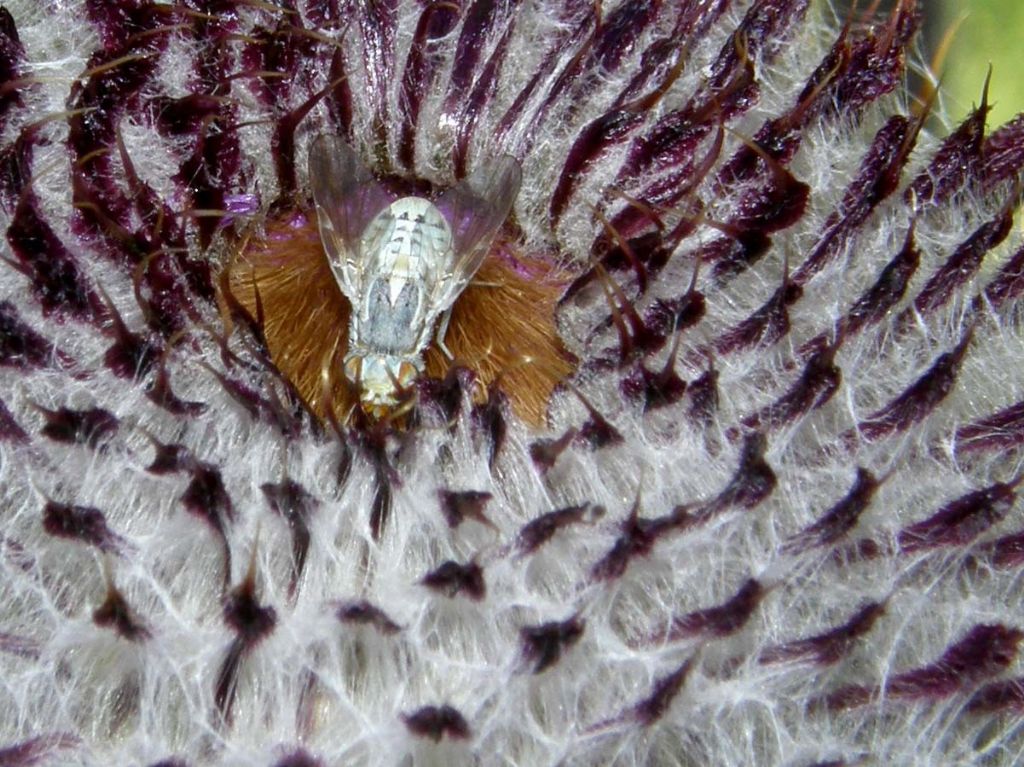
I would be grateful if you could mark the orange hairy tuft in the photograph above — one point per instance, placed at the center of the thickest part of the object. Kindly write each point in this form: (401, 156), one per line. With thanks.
(502, 326)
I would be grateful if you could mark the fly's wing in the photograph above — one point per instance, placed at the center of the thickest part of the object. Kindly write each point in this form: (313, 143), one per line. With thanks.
(347, 198)
(475, 209)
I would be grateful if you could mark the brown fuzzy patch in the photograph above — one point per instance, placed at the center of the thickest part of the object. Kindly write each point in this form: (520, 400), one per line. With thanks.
(503, 327)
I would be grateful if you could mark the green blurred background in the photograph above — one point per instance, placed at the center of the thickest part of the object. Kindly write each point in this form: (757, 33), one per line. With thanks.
(984, 31)
(989, 31)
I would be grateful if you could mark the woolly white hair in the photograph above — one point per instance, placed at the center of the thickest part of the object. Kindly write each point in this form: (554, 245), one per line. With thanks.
(599, 644)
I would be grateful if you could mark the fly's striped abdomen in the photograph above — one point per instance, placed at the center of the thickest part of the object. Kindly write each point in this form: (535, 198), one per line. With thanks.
(409, 241)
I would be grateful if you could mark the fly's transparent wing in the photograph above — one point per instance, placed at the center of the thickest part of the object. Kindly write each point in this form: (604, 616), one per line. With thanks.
(475, 209)
(347, 198)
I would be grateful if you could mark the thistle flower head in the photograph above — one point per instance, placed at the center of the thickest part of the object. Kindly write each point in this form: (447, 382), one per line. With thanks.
(726, 468)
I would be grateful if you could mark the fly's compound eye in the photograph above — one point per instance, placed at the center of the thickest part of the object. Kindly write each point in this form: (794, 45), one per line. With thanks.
(407, 373)
(354, 368)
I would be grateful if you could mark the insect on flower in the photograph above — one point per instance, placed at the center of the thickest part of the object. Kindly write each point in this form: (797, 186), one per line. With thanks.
(401, 261)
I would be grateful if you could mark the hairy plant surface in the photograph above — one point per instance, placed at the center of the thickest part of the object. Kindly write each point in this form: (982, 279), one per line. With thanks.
(770, 514)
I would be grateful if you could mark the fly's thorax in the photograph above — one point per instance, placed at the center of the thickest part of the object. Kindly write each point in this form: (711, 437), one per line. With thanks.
(381, 377)
(392, 318)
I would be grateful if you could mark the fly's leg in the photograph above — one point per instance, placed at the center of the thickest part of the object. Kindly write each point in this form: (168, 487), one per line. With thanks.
(442, 330)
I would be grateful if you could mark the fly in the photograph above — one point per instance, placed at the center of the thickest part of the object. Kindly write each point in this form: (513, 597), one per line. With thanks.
(401, 261)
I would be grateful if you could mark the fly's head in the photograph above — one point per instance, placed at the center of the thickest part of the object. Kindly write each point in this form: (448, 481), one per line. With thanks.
(381, 379)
